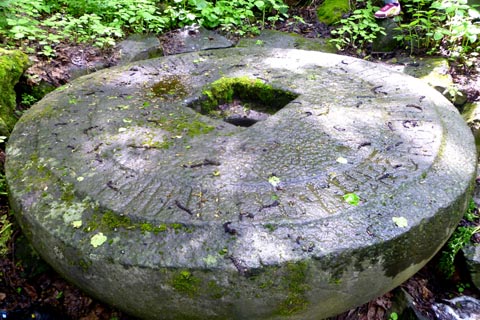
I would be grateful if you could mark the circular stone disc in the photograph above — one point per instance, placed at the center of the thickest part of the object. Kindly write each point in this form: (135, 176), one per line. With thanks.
(167, 213)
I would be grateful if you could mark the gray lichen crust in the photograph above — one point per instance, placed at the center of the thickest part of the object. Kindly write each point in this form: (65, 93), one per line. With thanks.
(132, 193)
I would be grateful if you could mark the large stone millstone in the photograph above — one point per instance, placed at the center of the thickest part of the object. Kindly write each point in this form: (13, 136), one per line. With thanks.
(168, 213)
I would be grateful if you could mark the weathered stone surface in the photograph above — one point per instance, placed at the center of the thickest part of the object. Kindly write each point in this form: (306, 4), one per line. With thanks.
(194, 38)
(472, 258)
(277, 39)
(12, 65)
(139, 47)
(463, 307)
(434, 71)
(471, 114)
(168, 213)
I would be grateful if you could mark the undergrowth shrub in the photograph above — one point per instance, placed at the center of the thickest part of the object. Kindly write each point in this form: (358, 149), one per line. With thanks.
(46, 23)
(5, 234)
(357, 30)
(447, 27)
(459, 239)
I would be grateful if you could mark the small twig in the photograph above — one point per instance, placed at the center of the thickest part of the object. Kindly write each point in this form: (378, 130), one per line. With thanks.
(414, 106)
(275, 203)
(231, 231)
(206, 162)
(377, 91)
(180, 206)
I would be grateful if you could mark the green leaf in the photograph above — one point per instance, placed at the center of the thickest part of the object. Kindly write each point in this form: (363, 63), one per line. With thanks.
(437, 35)
(77, 224)
(260, 4)
(401, 222)
(342, 160)
(191, 16)
(274, 181)
(210, 260)
(352, 198)
(98, 239)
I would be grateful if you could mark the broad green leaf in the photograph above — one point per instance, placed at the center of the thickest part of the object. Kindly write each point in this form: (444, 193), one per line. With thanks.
(342, 160)
(352, 198)
(191, 16)
(98, 239)
(274, 181)
(77, 224)
(437, 36)
(260, 4)
(401, 222)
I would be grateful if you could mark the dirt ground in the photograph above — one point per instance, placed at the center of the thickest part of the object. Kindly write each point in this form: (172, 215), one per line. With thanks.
(31, 289)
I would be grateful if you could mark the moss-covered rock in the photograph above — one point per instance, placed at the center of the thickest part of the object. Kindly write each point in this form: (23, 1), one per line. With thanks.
(286, 40)
(471, 114)
(331, 11)
(12, 66)
(240, 222)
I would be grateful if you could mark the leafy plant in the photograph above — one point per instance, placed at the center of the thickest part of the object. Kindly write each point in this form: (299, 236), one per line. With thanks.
(471, 213)
(358, 30)
(237, 17)
(417, 34)
(5, 234)
(459, 32)
(460, 237)
(28, 100)
(3, 185)
(38, 25)
(446, 26)
(462, 286)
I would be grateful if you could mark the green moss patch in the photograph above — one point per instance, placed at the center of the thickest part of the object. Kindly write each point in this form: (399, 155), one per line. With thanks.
(12, 66)
(295, 283)
(185, 282)
(169, 88)
(331, 11)
(182, 124)
(110, 221)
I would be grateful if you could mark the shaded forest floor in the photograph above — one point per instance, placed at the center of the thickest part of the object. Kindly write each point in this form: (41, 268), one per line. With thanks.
(31, 289)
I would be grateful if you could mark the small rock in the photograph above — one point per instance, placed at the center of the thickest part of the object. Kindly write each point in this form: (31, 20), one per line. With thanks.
(193, 38)
(471, 114)
(285, 40)
(12, 65)
(433, 70)
(139, 47)
(472, 258)
(463, 307)
(404, 305)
